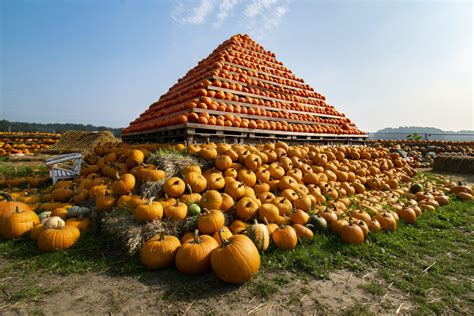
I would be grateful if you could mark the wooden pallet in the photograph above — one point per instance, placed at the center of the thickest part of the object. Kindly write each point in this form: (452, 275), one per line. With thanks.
(199, 133)
(255, 117)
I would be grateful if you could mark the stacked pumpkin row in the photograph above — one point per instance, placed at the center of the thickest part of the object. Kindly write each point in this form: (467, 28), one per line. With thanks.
(208, 100)
(233, 80)
(421, 153)
(12, 143)
(31, 181)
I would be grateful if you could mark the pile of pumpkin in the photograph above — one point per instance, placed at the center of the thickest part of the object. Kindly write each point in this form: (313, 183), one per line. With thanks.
(27, 143)
(50, 229)
(34, 181)
(245, 198)
(234, 80)
(423, 152)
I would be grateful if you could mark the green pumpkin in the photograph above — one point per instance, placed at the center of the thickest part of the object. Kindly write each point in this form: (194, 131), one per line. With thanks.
(416, 187)
(318, 223)
(194, 209)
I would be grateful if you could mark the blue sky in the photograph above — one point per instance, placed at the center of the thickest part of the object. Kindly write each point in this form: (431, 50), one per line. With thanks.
(383, 63)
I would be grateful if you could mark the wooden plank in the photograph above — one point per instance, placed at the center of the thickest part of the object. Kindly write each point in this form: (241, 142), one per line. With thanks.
(259, 58)
(259, 71)
(243, 84)
(265, 118)
(250, 130)
(269, 108)
(246, 130)
(257, 96)
(271, 66)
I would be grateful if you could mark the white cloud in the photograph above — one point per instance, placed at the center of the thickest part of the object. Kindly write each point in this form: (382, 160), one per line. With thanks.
(258, 17)
(264, 16)
(198, 13)
(225, 8)
(257, 6)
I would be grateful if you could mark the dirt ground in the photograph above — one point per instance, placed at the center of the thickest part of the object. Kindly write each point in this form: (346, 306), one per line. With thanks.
(100, 293)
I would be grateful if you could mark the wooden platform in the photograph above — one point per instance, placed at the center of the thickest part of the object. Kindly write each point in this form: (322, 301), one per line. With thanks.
(199, 133)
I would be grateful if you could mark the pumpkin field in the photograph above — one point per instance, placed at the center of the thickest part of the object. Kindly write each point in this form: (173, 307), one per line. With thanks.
(181, 224)
(241, 190)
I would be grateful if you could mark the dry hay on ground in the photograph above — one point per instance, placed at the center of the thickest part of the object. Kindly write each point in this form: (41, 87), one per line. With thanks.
(173, 162)
(150, 190)
(82, 142)
(454, 163)
(130, 236)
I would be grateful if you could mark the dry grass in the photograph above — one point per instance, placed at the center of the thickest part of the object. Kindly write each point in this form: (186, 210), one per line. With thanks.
(130, 235)
(173, 162)
(83, 142)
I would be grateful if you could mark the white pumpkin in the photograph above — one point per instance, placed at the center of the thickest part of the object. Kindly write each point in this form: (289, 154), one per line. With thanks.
(54, 222)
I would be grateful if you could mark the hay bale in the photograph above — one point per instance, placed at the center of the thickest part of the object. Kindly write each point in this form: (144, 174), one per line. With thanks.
(152, 189)
(130, 236)
(454, 163)
(172, 162)
(81, 142)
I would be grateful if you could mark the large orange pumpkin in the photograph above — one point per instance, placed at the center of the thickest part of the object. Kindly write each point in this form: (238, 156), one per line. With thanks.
(194, 256)
(236, 261)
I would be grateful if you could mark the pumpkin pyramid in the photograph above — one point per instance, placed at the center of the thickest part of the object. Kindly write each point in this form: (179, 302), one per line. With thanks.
(241, 86)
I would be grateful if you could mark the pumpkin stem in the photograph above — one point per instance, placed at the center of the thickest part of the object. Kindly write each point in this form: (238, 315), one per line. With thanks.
(196, 237)
(6, 196)
(188, 186)
(162, 235)
(255, 221)
(117, 176)
(265, 220)
(224, 242)
(150, 201)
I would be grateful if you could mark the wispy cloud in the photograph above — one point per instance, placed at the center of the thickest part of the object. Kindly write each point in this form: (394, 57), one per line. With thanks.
(225, 8)
(259, 17)
(257, 7)
(198, 13)
(264, 16)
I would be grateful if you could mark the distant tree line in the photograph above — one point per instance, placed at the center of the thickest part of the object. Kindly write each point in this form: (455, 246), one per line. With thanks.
(6, 126)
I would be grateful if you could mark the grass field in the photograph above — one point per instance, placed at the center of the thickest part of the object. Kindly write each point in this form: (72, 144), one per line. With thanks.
(429, 264)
